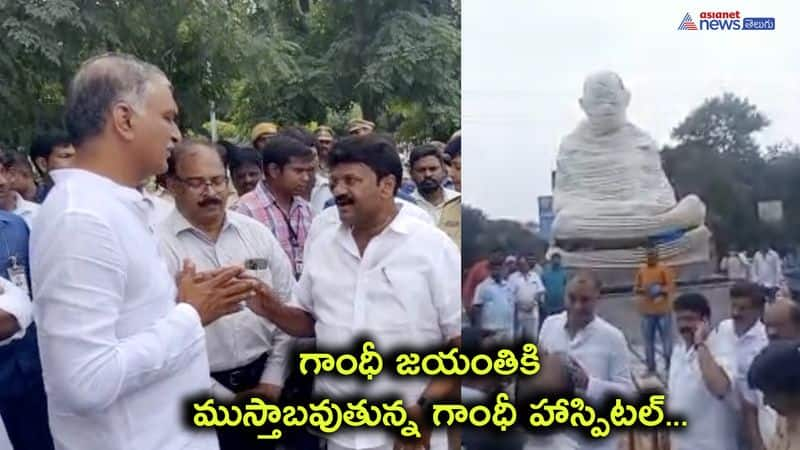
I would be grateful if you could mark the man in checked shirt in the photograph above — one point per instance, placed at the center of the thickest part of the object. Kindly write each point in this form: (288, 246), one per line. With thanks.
(276, 201)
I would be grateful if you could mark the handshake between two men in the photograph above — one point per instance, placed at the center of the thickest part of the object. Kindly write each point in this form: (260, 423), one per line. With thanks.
(220, 292)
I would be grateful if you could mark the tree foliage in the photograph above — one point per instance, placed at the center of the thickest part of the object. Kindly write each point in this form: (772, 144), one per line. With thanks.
(480, 236)
(718, 159)
(288, 61)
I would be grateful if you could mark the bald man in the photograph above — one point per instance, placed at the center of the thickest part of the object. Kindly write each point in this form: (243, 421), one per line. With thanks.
(782, 323)
(782, 320)
(593, 349)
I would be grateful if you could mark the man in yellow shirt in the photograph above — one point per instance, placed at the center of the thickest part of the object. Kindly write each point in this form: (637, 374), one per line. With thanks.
(655, 289)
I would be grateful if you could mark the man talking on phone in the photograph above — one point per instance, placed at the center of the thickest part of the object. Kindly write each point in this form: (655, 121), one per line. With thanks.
(247, 353)
(700, 379)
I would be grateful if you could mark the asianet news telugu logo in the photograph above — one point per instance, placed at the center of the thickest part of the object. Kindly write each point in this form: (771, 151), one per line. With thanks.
(726, 20)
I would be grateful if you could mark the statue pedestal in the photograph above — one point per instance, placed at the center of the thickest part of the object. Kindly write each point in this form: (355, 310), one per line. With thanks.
(622, 279)
(689, 255)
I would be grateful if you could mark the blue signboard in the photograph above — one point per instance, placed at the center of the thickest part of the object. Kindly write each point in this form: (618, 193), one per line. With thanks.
(546, 216)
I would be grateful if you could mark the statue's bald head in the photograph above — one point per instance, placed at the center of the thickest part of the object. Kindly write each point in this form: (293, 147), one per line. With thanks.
(100, 83)
(603, 84)
(605, 100)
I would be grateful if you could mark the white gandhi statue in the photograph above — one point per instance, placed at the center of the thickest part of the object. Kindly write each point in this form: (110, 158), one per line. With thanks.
(611, 195)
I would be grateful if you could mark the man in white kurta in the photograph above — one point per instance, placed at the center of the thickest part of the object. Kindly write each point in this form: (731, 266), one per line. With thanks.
(379, 272)
(596, 349)
(121, 346)
(701, 379)
(528, 290)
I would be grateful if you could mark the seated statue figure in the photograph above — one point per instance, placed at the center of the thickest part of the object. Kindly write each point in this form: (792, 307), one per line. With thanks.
(611, 192)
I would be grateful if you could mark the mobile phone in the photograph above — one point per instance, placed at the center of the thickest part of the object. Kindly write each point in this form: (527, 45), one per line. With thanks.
(256, 264)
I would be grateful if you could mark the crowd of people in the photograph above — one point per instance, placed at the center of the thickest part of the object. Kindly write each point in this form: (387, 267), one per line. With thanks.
(734, 382)
(142, 268)
(765, 267)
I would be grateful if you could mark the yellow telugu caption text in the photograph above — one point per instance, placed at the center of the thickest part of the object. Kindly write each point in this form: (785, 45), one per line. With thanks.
(442, 363)
(325, 416)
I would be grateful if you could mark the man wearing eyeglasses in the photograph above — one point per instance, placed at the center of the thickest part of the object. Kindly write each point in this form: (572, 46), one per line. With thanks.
(247, 353)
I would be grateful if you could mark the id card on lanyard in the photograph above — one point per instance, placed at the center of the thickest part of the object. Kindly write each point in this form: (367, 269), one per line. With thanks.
(17, 275)
(297, 257)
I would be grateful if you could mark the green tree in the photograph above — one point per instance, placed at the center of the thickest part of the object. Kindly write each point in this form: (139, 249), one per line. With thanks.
(718, 159)
(480, 236)
(725, 124)
(398, 60)
(292, 62)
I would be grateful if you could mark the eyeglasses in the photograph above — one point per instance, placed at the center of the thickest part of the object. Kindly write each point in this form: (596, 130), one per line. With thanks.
(200, 183)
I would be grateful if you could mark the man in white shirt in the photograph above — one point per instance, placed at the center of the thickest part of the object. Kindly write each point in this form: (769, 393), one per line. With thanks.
(382, 273)
(593, 349)
(748, 336)
(247, 354)
(329, 217)
(767, 270)
(428, 172)
(735, 266)
(121, 347)
(528, 290)
(701, 379)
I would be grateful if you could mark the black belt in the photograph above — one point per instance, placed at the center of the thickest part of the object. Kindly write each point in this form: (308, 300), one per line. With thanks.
(242, 378)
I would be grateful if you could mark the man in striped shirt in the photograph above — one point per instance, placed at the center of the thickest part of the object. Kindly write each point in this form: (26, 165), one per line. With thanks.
(276, 201)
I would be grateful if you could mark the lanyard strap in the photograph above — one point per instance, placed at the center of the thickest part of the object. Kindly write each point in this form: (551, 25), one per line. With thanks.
(292, 233)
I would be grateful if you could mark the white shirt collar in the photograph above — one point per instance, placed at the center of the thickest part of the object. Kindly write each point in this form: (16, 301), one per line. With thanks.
(125, 193)
(177, 223)
(754, 331)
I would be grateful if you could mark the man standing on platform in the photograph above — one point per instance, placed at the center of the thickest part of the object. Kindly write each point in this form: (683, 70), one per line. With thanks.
(655, 287)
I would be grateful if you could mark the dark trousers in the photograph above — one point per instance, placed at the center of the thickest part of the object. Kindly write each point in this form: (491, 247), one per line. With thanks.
(296, 391)
(25, 419)
(239, 380)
